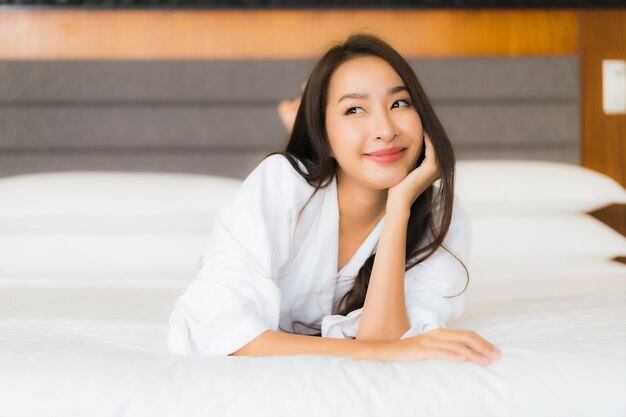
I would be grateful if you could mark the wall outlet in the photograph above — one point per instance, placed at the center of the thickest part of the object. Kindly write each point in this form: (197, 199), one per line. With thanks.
(614, 86)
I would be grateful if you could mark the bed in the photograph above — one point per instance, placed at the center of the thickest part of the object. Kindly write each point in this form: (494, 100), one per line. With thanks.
(88, 280)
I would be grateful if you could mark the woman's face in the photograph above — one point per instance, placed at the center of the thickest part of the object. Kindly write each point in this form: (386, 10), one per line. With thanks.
(369, 110)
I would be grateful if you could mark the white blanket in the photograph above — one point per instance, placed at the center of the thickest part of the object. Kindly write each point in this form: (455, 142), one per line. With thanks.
(88, 348)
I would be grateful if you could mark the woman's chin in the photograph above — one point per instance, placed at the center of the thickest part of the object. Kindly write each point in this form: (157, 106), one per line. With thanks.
(386, 182)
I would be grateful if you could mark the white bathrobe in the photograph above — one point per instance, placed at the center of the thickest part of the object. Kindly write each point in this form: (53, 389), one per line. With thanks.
(263, 269)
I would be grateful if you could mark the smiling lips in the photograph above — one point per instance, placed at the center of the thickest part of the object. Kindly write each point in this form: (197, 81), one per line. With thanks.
(386, 156)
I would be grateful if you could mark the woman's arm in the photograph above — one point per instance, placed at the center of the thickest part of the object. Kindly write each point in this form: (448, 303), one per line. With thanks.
(444, 344)
(272, 343)
(384, 315)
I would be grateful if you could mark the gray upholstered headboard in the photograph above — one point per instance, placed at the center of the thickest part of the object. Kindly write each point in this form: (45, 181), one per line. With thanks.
(219, 117)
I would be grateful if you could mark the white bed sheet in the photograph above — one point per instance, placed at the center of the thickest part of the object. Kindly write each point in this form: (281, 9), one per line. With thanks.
(98, 348)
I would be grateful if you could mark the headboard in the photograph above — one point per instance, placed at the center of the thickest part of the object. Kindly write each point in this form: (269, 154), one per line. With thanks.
(219, 117)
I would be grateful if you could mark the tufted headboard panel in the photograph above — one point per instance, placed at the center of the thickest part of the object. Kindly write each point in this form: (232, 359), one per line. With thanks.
(219, 117)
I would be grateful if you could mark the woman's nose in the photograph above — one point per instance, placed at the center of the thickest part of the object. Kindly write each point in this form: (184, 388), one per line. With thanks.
(383, 126)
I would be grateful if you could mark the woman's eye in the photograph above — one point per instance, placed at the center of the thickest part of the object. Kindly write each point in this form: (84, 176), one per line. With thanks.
(353, 110)
(401, 103)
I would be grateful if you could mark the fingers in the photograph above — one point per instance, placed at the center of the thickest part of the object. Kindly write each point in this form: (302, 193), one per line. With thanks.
(427, 141)
(471, 339)
(461, 352)
(466, 343)
(430, 155)
(444, 354)
(427, 137)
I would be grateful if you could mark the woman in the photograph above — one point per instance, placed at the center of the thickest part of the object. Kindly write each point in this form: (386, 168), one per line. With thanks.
(344, 234)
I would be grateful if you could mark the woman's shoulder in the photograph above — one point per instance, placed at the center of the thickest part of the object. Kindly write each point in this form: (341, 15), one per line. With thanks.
(274, 181)
(278, 165)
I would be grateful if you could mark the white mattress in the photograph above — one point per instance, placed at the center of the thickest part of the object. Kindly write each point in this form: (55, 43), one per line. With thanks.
(98, 348)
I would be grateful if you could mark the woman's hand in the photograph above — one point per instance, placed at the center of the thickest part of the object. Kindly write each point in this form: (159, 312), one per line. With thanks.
(442, 343)
(402, 195)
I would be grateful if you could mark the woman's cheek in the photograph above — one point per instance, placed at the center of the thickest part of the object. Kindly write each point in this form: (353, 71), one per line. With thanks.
(412, 164)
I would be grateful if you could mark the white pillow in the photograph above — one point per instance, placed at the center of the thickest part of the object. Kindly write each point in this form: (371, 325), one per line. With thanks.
(112, 195)
(108, 225)
(86, 224)
(532, 239)
(149, 255)
(518, 186)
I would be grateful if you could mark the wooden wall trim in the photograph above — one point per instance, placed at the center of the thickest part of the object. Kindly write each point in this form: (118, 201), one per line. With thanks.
(603, 147)
(279, 34)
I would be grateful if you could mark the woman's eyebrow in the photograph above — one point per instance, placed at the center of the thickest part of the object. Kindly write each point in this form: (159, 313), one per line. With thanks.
(397, 89)
(353, 95)
(392, 91)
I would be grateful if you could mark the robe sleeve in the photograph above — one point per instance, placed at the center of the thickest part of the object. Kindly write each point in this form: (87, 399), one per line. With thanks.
(234, 296)
(425, 286)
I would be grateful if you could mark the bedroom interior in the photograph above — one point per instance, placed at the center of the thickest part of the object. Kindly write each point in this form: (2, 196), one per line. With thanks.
(114, 123)
(51, 43)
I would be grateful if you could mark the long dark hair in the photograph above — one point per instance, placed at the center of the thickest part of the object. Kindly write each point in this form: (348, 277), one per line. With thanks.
(309, 144)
